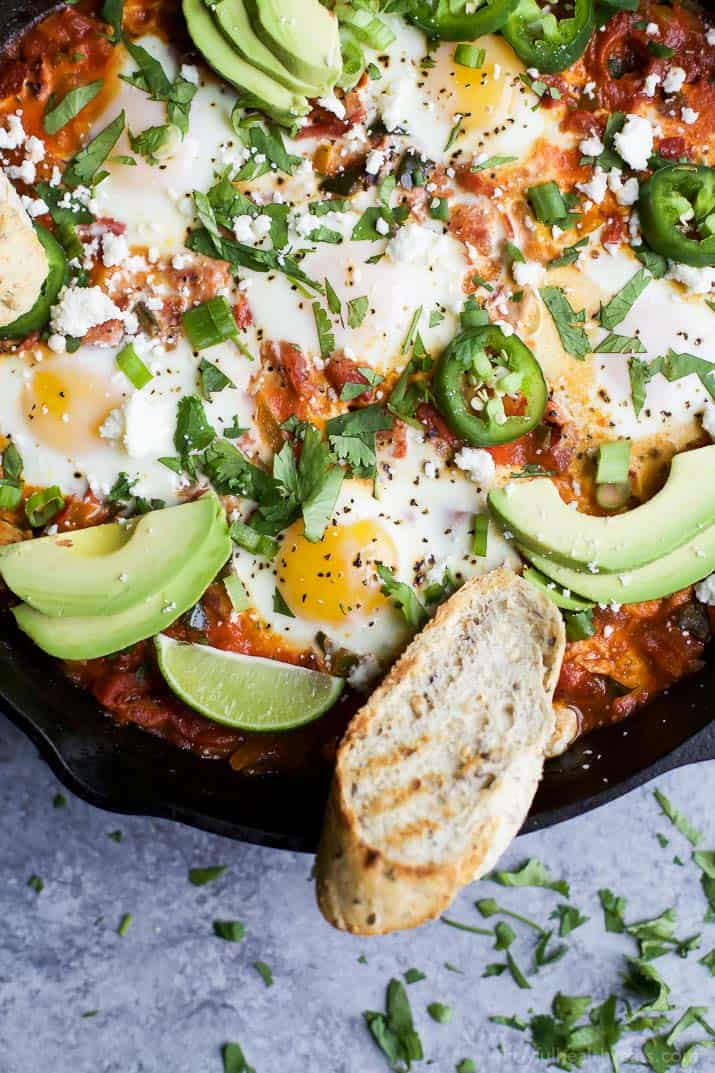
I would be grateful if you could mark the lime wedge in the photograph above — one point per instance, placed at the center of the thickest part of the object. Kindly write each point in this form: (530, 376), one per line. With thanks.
(246, 692)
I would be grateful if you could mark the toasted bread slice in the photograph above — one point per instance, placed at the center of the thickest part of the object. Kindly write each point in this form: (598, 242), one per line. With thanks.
(23, 265)
(437, 771)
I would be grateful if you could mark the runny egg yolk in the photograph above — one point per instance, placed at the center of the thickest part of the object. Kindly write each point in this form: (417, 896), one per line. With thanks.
(65, 406)
(329, 580)
(479, 92)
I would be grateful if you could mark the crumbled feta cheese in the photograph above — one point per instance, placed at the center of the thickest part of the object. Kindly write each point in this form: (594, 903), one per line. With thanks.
(705, 591)
(415, 243)
(25, 172)
(592, 146)
(80, 308)
(13, 135)
(383, 228)
(589, 89)
(635, 142)
(595, 188)
(190, 73)
(674, 80)
(394, 99)
(251, 229)
(477, 464)
(115, 249)
(375, 160)
(652, 29)
(34, 206)
(710, 37)
(626, 192)
(364, 673)
(333, 104)
(689, 115)
(650, 84)
(430, 470)
(527, 273)
(697, 280)
(35, 149)
(708, 420)
(57, 344)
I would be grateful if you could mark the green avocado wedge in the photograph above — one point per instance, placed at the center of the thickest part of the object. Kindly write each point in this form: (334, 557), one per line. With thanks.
(246, 692)
(534, 513)
(89, 637)
(687, 564)
(36, 318)
(302, 34)
(233, 21)
(562, 597)
(108, 568)
(256, 88)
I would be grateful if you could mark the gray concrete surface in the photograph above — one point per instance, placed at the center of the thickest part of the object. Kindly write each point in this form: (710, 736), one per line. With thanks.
(168, 994)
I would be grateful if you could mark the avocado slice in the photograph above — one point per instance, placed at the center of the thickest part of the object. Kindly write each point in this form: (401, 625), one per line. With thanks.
(535, 514)
(233, 21)
(109, 568)
(687, 564)
(256, 89)
(88, 637)
(303, 35)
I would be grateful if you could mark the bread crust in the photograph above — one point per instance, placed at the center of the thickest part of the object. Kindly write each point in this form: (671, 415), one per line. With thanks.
(23, 265)
(377, 874)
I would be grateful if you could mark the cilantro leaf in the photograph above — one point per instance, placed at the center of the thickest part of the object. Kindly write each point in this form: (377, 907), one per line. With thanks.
(613, 910)
(679, 821)
(212, 378)
(622, 302)
(234, 1060)
(394, 1031)
(569, 918)
(85, 164)
(201, 876)
(531, 873)
(567, 321)
(232, 931)
(403, 596)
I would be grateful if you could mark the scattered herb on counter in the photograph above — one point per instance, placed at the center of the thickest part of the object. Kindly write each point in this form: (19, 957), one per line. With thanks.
(413, 976)
(201, 876)
(440, 1013)
(569, 918)
(125, 924)
(36, 884)
(679, 821)
(531, 873)
(264, 972)
(233, 931)
(116, 836)
(613, 910)
(394, 1031)
(59, 801)
(234, 1060)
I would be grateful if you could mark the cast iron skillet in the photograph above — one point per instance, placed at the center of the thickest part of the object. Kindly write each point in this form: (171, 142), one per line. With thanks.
(124, 769)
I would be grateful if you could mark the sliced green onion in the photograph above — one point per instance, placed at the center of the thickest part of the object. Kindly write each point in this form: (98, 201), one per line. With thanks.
(237, 592)
(469, 56)
(547, 203)
(579, 626)
(473, 315)
(481, 535)
(44, 505)
(353, 61)
(256, 543)
(372, 31)
(210, 323)
(439, 209)
(133, 367)
(10, 495)
(613, 462)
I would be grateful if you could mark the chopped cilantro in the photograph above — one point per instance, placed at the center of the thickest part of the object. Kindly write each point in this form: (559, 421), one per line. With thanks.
(357, 310)
(679, 821)
(622, 302)
(212, 379)
(59, 801)
(234, 1060)
(488, 907)
(569, 918)
(531, 873)
(568, 322)
(440, 1013)
(36, 884)
(613, 910)
(125, 924)
(394, 1031)
(413, 976)
(233, 931)
(403, 596)
(201, 876)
